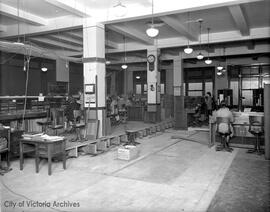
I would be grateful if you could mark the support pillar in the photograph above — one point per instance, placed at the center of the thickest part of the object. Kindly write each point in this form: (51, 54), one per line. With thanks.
(94, 72)
(153, 88)
(180, 115)
(267, 121)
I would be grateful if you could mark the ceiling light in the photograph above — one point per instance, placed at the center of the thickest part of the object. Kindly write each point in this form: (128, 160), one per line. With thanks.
(219, 67)
(152, 31)
(124, 66)
(219, 73)
(200, 56)
(138, 77)
(108, 62)
(208, 61)
(44, 69)
(120, 10)
(188, 50)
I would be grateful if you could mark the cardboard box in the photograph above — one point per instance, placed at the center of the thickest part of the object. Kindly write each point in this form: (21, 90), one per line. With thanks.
(127, 152)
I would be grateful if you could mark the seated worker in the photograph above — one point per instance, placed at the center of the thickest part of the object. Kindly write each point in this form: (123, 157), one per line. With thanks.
(224, 112)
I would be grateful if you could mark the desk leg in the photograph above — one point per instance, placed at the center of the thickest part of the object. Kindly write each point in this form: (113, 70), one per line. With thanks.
(49, 160)
(37, 158)
(21, 156)
(64, 154)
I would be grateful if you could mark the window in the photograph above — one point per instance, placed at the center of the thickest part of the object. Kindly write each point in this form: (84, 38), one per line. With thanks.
(198, 81)
(250, 78)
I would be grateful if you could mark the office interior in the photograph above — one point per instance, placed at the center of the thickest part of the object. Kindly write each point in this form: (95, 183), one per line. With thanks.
(103, 105)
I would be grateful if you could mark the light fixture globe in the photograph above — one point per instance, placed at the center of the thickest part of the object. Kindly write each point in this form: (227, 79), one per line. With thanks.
(138, 77)
(44, 69)
(188, 50)
(219, 73)
(124, 66)
(108, 62)
(208, 61)
(200, 56)
(120, 10)
(152, 32)
(219, 67)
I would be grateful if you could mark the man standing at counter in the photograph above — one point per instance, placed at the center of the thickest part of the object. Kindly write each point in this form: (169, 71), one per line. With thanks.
(224, 128)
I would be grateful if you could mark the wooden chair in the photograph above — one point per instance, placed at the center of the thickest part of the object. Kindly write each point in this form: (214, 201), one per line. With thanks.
(224, 130)
(57, 117)
(256, 128)
(45, 123)
(5, 149)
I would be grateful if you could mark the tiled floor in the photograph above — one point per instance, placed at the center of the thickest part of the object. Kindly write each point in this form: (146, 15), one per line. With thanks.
(169, 175)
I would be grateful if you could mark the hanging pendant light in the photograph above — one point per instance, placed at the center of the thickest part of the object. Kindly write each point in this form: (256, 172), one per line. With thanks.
(124, 66)
(120, 10)
(219, 73)
(219, 67)
(152, 31)
(200, 55)
(208, 61)
(188, 49)
(107, 62)
(224, 68)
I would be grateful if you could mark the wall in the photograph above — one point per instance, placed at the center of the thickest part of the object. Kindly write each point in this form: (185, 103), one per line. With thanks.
(12, 81)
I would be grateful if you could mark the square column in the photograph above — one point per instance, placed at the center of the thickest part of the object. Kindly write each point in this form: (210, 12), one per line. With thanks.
(180, 115)
(153, 87)
(94, 72)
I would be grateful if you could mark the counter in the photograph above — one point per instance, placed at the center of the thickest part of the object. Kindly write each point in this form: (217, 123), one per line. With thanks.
(240, 125)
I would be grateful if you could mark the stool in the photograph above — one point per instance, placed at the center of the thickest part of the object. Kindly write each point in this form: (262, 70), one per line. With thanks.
(256, 125)
(223, 129)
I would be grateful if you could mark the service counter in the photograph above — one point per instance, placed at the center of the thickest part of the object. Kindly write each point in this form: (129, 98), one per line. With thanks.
(240, 126)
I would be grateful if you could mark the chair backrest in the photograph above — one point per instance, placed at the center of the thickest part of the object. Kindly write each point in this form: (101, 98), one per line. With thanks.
(256, 124)
(225, 120)
(223, 125)
(77, 115)
(57, 117)
(256, 120)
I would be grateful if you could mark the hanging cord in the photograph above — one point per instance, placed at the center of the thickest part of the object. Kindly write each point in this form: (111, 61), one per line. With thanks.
(208, 29)
(26, 90)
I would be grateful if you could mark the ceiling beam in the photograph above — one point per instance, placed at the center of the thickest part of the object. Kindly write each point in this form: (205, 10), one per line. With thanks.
(65, 39)
(239, 19)
(111, 44)
(182, 29)
(71, 6)
(54, 43)
(131, 33)
(3, 28)
(21, 15)
(78, 36)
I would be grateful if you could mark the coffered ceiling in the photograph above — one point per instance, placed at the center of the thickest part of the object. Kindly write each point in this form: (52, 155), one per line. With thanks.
(57, 25)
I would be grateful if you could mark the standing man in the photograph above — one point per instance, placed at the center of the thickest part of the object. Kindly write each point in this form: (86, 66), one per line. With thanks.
(209, 103)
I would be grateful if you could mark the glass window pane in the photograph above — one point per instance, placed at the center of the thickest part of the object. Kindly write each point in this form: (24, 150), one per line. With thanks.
(138, 89)
(250, 83)
(195, 86)
(194, 93)
(266, 80)
(209, 87)
(145, 88)
(247, 94)
(234, 87)
(162, 89)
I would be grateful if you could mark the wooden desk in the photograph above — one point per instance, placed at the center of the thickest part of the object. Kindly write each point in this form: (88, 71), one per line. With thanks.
(46, 149)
